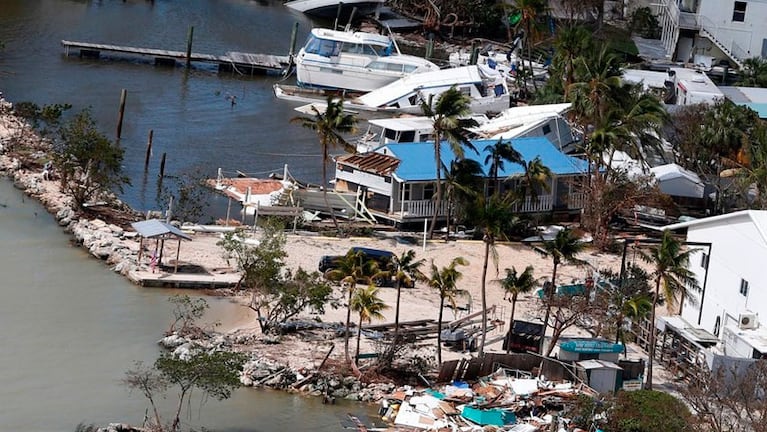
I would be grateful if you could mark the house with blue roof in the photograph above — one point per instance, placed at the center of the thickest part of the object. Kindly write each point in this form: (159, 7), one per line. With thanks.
(398, 181)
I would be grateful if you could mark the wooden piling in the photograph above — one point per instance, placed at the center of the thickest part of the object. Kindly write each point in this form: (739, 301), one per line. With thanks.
(430, 46)
(148, 149)
(189, 46)
(474, 53)
(162, 165)
(293, 36)
(123, 96)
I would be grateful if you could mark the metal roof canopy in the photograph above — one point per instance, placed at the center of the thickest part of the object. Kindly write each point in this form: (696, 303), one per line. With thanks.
(155, 228)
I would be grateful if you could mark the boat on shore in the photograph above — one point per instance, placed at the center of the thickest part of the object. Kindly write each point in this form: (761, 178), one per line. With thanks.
(330, 8)
(357, 61)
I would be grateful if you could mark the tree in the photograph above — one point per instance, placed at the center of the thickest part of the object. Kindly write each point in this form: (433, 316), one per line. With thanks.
(562, 249)
(277, 294)
(215, 373)
(648, 411)
(464, 179)
(515, 284)
(493, 215)
(444, 280)
(671, 273)
(754, 73)
(329, 126)
(368, 305)
(407, 272)
(448, 117)
(536, 177)
(496, 155)
(353, 268)
(88, 162)
(187, 197)
(151, 384)
(531, 10)
(186, 312)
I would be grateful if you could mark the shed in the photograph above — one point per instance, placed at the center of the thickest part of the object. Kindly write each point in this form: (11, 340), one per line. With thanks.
(676, 181)
(603, 376)
(160, 231)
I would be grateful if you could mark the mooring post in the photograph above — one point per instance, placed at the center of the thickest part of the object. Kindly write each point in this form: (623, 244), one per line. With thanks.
(293, 36)
(123, 95)
(189, 46)
(162, 165)
(338, 15)
(430, 46)
(148, 149)
(474, 53)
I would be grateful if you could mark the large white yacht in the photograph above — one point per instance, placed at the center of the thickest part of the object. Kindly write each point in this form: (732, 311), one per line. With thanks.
(329, 8)
(357, 61)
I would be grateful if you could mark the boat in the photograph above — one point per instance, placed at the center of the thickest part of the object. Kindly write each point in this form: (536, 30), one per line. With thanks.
(405, 129)
(329, 8)
(353, 60)
(487, 90)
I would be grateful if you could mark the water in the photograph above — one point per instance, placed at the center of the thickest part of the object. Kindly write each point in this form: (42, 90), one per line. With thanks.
(189, 111)
(70, 328)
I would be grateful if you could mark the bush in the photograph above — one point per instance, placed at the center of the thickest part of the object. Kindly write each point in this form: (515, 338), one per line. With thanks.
(648, 411)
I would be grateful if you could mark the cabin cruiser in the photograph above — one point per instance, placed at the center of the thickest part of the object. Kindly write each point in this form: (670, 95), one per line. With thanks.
(396, 130)
(486, 88)
(357, 61)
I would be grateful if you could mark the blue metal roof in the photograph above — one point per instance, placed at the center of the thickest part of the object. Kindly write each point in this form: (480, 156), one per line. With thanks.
(760, 108)
(417, 159)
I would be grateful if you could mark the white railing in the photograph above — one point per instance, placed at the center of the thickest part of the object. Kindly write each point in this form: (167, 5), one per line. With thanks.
(717, 35)
(422, 208)
(529, 205)
(576, 200)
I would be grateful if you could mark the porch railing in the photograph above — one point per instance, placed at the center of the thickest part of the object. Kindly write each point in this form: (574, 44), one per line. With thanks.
(541, 204)
(422, 208)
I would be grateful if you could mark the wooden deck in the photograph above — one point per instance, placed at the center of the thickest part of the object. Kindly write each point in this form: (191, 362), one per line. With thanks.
(183, 280)
(244, 63)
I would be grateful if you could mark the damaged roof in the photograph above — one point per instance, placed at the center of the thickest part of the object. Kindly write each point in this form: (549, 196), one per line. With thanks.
(371, 162)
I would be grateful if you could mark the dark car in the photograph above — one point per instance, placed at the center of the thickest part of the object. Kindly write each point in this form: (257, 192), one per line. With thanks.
(383, 258)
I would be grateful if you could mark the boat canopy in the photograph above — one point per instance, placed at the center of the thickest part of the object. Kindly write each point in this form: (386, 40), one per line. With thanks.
(328, 43)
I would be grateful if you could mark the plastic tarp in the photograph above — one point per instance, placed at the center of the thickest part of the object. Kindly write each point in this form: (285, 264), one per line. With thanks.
(494, 416)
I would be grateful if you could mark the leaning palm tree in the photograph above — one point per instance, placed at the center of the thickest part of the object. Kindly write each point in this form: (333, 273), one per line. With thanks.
(407, 272)
(494, 216)
(445, 280)
(671, 273)
(515, 284)
(496, 155)
(330, 125)
(448, 117)
(464, 179)
(562, 249)
(351, 269)
(368, 305)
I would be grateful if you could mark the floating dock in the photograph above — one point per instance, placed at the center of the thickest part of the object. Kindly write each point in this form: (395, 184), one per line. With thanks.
(183, 280)
(243, 63)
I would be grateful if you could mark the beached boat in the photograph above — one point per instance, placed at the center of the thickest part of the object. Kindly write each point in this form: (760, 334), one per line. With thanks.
(329, 8)
(406, 129)
(359, 61)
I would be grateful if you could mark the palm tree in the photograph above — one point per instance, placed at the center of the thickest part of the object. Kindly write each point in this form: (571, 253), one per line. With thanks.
(407, 272)
(496, 155)
(449, 123)
(369, 306)
(671, 273)
(537, 177)
(353, 268)
(592, 92)
(530, 10)
(493, 215)
(562, 249)
(329, 126)
(754, 73)
(635, 308)
(445, 280)
(464, 179)
(513, 285)
(570, 43)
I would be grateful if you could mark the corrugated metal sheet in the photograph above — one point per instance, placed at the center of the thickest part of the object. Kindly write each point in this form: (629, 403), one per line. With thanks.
(370, 162)
(156, 228)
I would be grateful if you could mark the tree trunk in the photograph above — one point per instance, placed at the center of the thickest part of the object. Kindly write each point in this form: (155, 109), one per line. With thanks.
(511, 322)
(484, 298)
(528, 38)
(439, 331)
(348, 320)
(359, 336)
(325, 158)
(549, 298)
(438, 189)
(396, 310)
(651, 350)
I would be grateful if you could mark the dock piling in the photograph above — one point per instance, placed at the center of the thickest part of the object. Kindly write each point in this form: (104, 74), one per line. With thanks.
(430, 46)
(148, 149)
(162, 165)
(123, 96)
(293, 36)
(189, 46)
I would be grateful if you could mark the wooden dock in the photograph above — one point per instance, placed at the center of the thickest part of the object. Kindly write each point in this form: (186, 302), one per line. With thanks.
(243, 63)
(183, 280)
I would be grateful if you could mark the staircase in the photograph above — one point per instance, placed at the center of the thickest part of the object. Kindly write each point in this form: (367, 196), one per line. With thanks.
(734, 52)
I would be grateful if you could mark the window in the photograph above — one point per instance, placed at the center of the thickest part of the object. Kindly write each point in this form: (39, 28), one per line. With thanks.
(546, 129)
(739, 11)
(704, 260)
(743, 287)
(406, 191)
(428, 190)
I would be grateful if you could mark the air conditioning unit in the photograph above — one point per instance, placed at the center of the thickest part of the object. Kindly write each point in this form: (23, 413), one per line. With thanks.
(748, 320)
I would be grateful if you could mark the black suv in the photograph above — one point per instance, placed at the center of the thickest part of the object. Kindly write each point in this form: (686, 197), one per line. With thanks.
(383, 258)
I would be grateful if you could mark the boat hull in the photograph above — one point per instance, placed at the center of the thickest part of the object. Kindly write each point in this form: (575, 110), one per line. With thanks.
(329, 9)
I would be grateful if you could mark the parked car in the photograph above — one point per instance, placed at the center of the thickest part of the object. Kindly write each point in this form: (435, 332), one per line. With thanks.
(383, 258)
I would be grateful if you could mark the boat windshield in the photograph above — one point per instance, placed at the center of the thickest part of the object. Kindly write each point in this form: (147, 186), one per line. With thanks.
(353, 48)
(323, 47)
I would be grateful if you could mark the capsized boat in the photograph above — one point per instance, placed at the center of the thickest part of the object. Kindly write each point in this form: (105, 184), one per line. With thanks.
(329, 8)
(359, 61)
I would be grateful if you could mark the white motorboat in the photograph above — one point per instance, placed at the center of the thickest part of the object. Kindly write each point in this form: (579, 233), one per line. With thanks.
(486, 88)
(405, 129)
(329, 8)
(359, 61)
